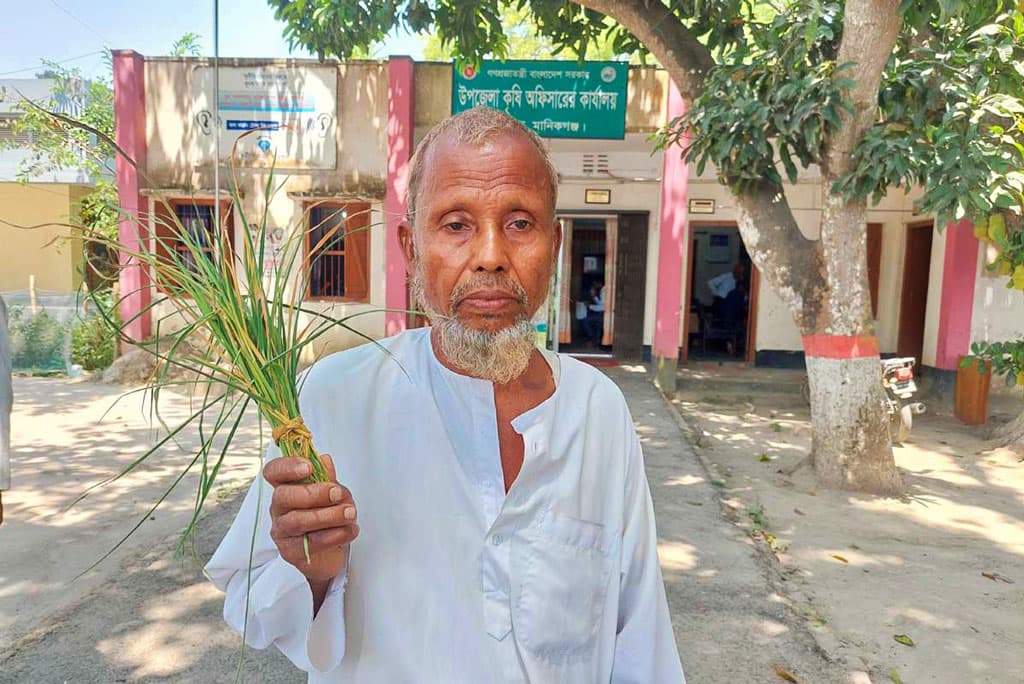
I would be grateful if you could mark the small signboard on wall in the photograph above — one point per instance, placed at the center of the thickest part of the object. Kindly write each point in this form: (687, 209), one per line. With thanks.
(702, 206)
(277, 115)
(598, 196)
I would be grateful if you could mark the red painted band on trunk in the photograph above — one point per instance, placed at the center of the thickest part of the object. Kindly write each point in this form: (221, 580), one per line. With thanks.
(840, 346)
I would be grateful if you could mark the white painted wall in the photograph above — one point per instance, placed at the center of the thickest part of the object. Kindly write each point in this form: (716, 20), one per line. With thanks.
(931, 317)
(634, 179)
(998, 313)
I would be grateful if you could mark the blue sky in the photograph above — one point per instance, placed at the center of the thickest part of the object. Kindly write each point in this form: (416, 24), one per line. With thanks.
(63, 30)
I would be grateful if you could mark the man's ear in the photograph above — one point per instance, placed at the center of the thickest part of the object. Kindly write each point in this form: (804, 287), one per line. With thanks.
(406, 239)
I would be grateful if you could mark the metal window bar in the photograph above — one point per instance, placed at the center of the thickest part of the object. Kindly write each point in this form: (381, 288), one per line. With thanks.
(327, 252)
(198, 220)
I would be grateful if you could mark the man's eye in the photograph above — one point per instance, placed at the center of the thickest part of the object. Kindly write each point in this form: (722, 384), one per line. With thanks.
(520, 224)
(456, 226)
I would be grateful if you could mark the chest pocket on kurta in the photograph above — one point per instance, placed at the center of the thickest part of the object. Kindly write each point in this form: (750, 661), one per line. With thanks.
(562, 566)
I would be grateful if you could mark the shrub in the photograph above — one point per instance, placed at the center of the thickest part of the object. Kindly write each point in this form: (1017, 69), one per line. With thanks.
(38, 341)
(93, 344)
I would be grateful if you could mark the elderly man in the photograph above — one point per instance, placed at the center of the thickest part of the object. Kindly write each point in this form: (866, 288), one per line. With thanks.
(495, 523)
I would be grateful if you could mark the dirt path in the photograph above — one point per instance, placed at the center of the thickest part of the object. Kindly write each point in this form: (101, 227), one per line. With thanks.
(60, 447)
(148, 617)
(943, 566)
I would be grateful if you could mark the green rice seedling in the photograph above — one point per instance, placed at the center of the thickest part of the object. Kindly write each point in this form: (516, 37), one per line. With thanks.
(251, 331)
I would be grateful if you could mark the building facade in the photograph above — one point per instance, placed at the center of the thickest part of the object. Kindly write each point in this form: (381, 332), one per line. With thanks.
(33, 213)
(334, 141)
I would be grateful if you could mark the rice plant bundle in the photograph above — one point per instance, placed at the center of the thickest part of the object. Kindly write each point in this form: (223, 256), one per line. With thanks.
(252, 333)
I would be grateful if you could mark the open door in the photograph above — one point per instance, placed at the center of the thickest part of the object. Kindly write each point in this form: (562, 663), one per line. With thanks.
(720, 321)
(914, 298)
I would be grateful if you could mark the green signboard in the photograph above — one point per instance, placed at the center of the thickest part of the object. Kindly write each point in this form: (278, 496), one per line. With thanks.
(556, 99)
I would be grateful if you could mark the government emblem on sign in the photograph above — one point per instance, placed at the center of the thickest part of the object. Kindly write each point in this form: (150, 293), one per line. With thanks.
(608, 74)
(469, 72)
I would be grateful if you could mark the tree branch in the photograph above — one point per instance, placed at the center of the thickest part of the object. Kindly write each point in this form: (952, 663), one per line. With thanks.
(686, 59)
(870, 29)
(788, 261)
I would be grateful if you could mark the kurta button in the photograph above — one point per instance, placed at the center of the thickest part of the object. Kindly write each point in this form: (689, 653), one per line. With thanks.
(497, 540)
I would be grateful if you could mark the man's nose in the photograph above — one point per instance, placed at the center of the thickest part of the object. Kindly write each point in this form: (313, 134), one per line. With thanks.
(490, 253)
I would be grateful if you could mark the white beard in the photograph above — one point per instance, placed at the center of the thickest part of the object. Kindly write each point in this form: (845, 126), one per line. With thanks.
(500, 356)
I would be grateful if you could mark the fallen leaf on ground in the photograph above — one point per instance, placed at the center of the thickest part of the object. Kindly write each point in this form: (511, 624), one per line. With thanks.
(798, 511)
(895, 677)
(783, 673)
(839, 558)
(995, 576)
(695, 503)
(903, 639)
(764, 458)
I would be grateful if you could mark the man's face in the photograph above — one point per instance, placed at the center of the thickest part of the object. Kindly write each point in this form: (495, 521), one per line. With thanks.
(485, 235)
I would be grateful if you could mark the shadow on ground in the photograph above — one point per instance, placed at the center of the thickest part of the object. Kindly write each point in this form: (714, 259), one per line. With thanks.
(941, 565)
(157, 620)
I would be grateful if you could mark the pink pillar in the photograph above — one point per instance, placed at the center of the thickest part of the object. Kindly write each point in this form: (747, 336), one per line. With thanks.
(400, 128)
(133, 231)
(672, 242)
(959, 274)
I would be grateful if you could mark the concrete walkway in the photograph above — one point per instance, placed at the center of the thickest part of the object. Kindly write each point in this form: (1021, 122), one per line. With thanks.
(157, 619)
(731, 624)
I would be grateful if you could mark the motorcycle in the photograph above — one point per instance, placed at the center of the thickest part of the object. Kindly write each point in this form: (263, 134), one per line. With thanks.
(898, 383)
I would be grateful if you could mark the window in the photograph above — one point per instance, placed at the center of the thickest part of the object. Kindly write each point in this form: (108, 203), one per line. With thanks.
(337, 246)
(198, 219)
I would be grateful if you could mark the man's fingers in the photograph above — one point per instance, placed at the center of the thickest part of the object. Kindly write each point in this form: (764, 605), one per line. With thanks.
(305, 496)
(328, 462)
(298, 522)
(286, 470)
(321, 540)
(332, 539)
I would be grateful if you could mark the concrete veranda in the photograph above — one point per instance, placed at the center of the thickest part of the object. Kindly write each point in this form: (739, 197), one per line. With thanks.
(150, 617)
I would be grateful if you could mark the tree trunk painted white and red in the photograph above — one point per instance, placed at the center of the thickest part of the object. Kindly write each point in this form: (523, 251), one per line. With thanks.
(823, 281)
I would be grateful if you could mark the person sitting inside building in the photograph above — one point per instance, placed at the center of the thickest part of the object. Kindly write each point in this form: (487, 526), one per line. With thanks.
(593, 324)
(505, 530)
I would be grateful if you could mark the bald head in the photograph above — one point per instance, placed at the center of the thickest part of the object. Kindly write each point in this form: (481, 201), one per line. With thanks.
(473, 127)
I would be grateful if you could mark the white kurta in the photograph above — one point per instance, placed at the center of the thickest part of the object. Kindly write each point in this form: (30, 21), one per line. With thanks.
(452, 580)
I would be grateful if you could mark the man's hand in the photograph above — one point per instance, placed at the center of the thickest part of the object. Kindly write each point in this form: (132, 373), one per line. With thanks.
(324, 511)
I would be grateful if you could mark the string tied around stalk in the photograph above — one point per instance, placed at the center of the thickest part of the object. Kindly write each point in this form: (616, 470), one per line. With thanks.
(293, 430)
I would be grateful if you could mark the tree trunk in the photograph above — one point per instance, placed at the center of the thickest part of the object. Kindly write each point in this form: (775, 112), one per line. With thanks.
(1012, 434)
(824, 282)
(851, 445)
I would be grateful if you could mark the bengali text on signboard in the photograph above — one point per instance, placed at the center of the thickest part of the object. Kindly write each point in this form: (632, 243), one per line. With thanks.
(556, 99)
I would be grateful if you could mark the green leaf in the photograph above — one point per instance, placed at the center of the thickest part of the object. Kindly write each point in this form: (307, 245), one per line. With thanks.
(903, 639)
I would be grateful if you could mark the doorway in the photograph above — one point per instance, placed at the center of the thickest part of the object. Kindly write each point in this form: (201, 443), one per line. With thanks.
(585, 285)
(722, 288)
(602, 278)
(917, 259)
